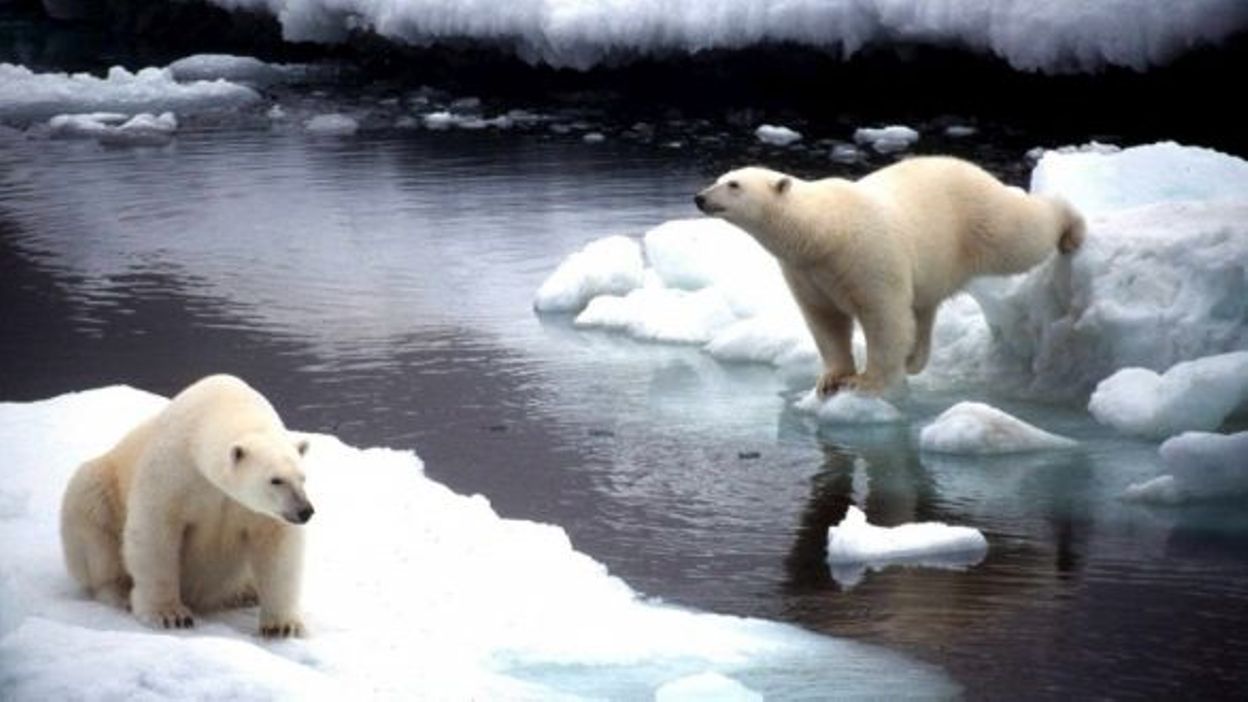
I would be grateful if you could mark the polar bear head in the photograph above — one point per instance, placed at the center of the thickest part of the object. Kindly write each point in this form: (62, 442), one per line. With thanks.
(265, 475)
(746, 197)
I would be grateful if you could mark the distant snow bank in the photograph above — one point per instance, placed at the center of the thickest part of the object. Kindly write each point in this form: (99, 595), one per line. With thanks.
(1056, 37)
(26, 96)
(399, 571)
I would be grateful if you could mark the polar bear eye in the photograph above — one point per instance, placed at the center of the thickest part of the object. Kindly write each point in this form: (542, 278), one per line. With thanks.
(733, 185)
(276, 481)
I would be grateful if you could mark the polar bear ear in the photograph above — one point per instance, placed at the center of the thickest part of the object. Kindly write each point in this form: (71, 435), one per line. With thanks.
(302, 447)
(237, 453)
(781, 186)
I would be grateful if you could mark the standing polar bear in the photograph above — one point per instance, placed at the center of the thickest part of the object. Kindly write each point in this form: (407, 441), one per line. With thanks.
(887, 249)
(196, 508)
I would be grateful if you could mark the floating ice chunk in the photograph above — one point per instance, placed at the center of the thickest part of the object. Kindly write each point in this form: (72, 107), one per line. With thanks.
(1193, 395)
(706, 687)
(237, 69)
(778, 340)
(847, 407)
(661, 314)
(440, 120)
(609, 266)
(276, 113)
(1201, 467)
(332, 124)
(977, 428)
(27, 96)
(887, 140)
(594, 138)
(115, 129)
(845, 153)
(777, 135)
(445, 119)
(854, 546)
(1098, 179)
(960, 131)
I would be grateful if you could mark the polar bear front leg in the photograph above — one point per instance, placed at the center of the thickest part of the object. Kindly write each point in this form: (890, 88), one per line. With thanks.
(277, 563)
(889, 329)
(151, 548)
(924, 320)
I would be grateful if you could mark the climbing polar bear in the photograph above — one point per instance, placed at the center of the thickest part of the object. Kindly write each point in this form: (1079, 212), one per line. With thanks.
(887, 249)
(196, 508)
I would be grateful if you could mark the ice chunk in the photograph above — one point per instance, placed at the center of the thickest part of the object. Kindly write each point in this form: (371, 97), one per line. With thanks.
(1153, 285)
(237, 69)
(845, 153)
(609, 266)
(1201, 466)
(847, 407)
(696, 253)
(887, 140)
(777, 135)
(977, 428)
(1060, 36)
(706, 687)
(1097, 179)
(854, 545)
(594, 138)
(115, 129)
(1193, 395)
(26, 96)
(960, 131)
(444, 119)
(332, 124)
(377, 597)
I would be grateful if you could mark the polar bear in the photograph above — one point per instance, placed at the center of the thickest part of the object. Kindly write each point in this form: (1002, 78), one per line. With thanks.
(196, 508)
(887, 249)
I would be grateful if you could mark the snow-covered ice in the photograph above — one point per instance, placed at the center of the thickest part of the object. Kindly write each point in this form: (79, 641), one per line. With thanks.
(608, 266)
(1190, 396)
(1162, 278)
(777, 135)
(1201, 466)
(332, 124)
(847, 407)
(26, 96)
(446, 119)
(236, 69)
(116, 129)
(1057, 36)
(400, 572)
(854, 546)
(978, 428)
(887, 140)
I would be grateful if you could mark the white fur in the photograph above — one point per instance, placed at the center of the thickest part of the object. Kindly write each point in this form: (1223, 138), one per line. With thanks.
(887, 249)
(196, 508)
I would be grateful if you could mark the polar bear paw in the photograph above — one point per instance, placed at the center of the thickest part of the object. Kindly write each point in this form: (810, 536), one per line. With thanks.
(171, 616)
(864, 384)
(832, 381)
(281, 627)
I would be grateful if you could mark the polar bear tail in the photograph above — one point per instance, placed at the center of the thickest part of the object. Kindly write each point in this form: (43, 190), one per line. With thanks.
(1074, 229)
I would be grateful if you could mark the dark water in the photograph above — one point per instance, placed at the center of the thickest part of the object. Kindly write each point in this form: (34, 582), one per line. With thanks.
(379, 287)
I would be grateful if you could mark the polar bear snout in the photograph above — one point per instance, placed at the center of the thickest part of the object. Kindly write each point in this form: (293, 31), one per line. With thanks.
(705, 204)
(303, 515)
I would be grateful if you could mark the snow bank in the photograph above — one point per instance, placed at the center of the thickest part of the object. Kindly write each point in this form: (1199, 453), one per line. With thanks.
(400, 572)
(1060, 36)
(1201, 467)
(26, 96)
(1162, 277)
(848, 408)
(854, 546)
(887, 140)
(1193, 395)
(777, 135)
(977, 428)
(115, 129)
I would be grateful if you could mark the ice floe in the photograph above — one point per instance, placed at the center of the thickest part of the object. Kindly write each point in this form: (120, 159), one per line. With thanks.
(887, 140)
(1201, 466)
(1192, 395)
(854, 546)
(777, 135)
(399, 569)
(978, 428)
